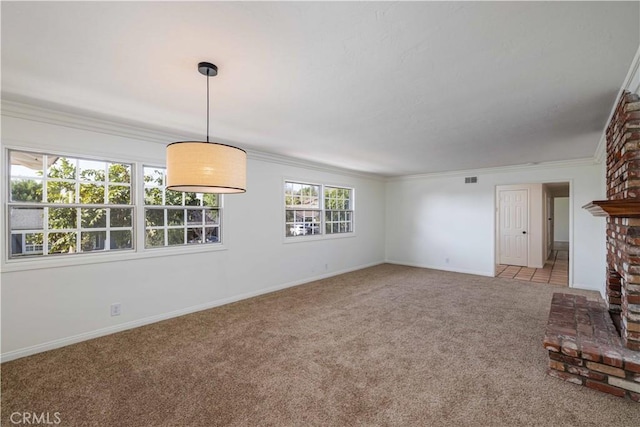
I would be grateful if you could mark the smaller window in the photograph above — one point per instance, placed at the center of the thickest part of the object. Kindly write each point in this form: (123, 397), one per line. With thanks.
(314, 209)
(174, 218)
(338, 210)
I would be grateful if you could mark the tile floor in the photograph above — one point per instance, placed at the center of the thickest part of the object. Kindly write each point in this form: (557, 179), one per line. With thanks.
(554, 272)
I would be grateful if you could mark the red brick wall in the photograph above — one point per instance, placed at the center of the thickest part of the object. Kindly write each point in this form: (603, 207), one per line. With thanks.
(623, 234)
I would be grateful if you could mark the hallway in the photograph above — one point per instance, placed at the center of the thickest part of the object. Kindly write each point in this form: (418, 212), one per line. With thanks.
(554, 272)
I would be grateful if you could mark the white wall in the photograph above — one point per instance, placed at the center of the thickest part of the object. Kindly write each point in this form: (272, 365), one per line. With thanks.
(440, 222)
(48, 307)
(561, 219)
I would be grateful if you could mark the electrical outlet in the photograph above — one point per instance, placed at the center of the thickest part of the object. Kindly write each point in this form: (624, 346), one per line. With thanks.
(446, 260)
(116, 309)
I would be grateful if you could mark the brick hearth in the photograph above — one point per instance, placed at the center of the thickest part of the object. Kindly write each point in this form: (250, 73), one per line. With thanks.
(585, 348)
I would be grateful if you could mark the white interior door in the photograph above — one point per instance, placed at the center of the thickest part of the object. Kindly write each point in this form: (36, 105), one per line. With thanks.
(514, 220)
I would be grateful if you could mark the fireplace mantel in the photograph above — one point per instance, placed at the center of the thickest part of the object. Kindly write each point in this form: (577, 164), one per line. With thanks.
(626, 208)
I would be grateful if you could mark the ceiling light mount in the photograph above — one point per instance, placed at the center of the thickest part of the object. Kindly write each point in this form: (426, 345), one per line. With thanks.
(206, 167)
(208, 69)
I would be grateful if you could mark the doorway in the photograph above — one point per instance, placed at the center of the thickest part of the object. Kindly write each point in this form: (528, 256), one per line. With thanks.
(533, 232)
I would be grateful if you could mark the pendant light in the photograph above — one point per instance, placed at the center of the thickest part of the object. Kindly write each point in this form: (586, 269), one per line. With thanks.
(206, 167)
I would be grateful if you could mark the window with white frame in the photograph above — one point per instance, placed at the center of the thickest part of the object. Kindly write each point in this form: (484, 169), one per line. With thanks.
(67, 205)
(176, 218)
(314, 209)
(338, 214)
(61, 204)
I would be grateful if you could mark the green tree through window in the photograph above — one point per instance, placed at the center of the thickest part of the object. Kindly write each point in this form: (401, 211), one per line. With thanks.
(67, 205)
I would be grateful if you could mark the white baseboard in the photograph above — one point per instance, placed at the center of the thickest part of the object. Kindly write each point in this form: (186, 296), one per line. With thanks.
(62, 342)
(441, 268)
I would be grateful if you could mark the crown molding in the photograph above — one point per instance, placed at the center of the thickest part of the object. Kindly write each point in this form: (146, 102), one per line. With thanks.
(601, 149)
(20, 107)
(499, 169)
(307, 164)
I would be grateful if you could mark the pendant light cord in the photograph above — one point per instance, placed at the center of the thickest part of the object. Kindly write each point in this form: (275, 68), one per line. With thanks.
(207, 108)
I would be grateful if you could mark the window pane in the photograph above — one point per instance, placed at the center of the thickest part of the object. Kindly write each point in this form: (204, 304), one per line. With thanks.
(195, 235)
(93, 240)
(62, 243)
(91, 193)
(337, 198)
(152, 196)
(62, 167)
(93, 218)
(25, 164)
(211, 217)
(121, 239)
(298, 194)
(61, 192)
(26, 218)
(153, 176)
(191, 199)
(194, 217)
(211, 200)
(175, 216)
(119, 195)
(121, 217)
(62, 218)
(119, 173)
(302, 223)
(174, 198)
(176, 236)
(212, 234)
(26, 244)
(26, 190)
(92, 170)
(154, 217)
(154, 238)
(309, 195)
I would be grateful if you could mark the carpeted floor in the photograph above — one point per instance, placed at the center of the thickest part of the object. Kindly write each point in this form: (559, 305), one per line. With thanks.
(387, 345)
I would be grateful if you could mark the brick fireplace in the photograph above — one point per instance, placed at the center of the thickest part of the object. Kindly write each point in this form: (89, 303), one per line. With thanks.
(622, 209)
(585, 346)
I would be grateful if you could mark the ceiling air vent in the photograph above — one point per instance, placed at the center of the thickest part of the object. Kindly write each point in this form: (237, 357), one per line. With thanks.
(470, 179)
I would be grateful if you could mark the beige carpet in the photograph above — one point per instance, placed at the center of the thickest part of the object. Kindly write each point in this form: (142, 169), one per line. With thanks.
(388, 345)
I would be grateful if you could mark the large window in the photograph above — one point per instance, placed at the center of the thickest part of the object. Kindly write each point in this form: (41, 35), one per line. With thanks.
(62, 205)
(176, 218)
(312, 209)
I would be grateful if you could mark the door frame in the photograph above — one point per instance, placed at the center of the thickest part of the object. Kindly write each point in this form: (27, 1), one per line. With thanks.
(496, 223)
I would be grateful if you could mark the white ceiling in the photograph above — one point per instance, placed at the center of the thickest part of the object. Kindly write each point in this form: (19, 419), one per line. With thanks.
(387, 88)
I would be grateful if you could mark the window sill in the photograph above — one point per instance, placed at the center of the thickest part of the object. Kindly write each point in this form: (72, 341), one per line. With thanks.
(311, 238)
(103, 257)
